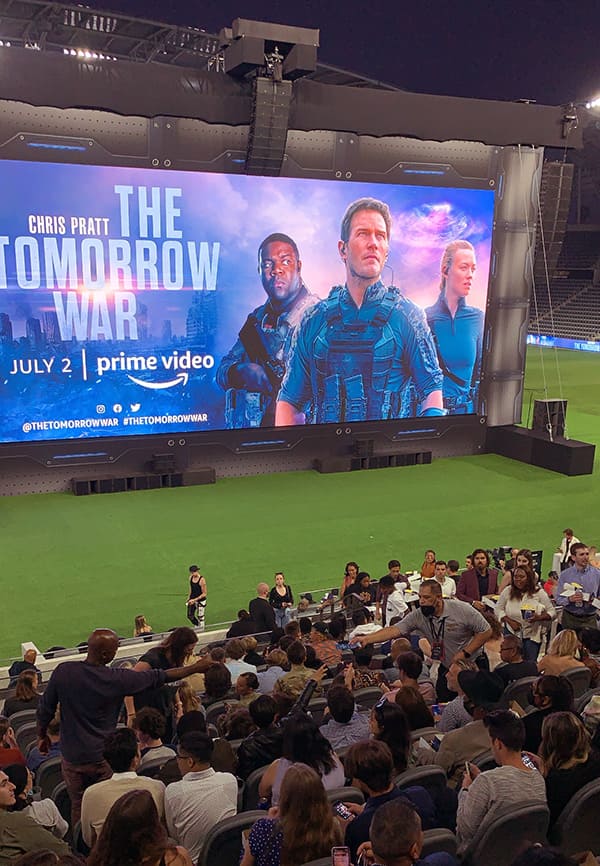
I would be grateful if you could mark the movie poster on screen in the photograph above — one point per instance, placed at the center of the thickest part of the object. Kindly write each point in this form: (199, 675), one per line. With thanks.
(124, 291)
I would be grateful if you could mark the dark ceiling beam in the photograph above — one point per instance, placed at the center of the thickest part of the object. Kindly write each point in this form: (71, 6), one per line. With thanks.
(148, 90)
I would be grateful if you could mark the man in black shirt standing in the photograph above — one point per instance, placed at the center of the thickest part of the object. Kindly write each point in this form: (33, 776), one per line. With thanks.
(90, 694)
(261, 612)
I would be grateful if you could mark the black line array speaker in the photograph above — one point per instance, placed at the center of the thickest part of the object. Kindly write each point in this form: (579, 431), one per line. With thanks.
(267, 136)
(549, 415)
(555, 201)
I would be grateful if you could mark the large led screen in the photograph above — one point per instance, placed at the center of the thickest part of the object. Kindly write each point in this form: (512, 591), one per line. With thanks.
(141, 301)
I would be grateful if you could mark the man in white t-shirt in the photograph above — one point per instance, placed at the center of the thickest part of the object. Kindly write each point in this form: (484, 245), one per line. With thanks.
(443, 578)
(362, 620)
(393, 605)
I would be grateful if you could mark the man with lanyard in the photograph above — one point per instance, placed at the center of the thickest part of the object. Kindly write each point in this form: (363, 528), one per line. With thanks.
(454, 629)
(578, 613)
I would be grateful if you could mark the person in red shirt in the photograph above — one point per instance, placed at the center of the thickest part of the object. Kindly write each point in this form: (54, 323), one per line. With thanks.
(551, 584)
(9, 750)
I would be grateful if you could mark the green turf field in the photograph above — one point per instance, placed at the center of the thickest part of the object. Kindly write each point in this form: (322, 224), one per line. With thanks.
(74, 563)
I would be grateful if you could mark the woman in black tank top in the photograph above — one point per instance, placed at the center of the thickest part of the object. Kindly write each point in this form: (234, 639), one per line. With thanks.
(196, 602)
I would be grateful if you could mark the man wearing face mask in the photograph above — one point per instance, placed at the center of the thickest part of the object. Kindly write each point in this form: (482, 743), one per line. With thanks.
(548, 695)
(455, 630)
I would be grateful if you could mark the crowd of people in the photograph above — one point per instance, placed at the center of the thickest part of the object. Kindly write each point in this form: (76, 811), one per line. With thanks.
(156, 754)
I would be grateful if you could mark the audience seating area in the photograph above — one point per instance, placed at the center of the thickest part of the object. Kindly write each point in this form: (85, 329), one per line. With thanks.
(571, 306)
(497, 841)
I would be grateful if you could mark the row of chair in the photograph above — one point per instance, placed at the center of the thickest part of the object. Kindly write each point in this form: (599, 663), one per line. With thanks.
(575, 830)
(497, 842)
(519, 690)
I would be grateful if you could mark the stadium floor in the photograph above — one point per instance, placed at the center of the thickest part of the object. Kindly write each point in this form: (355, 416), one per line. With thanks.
(71, 564)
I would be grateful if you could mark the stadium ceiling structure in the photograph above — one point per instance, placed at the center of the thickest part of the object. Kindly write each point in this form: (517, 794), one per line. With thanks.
(91, 35)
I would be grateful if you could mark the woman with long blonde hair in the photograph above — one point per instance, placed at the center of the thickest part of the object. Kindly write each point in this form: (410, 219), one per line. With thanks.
(141, 626)
(561, 654)
(187, 697)
(300, 829)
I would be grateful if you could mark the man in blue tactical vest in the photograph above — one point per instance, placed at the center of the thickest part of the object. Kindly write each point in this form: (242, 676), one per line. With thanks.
(251, 372)
(362, 352)
(457, 329)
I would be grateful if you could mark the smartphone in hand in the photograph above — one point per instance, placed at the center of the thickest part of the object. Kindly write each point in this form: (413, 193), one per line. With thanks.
(340, 856)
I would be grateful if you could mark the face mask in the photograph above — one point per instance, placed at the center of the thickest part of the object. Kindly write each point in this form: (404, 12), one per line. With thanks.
(427, 610)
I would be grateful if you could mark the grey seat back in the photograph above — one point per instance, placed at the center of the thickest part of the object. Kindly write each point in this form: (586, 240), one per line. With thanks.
(577, 826)
(505, 834)
(223, 843)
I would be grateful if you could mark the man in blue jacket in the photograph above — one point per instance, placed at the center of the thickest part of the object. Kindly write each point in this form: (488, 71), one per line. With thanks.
(365, 352)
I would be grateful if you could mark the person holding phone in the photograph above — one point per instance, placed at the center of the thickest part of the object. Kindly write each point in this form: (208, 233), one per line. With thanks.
(484, 794)
(281, 600)
(370, 767)
(301, 828)
(396, 839)
(340, 855)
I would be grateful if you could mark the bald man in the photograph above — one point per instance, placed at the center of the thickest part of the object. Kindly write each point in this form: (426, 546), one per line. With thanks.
(261, 612)
(90, 695)
(28, 663)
